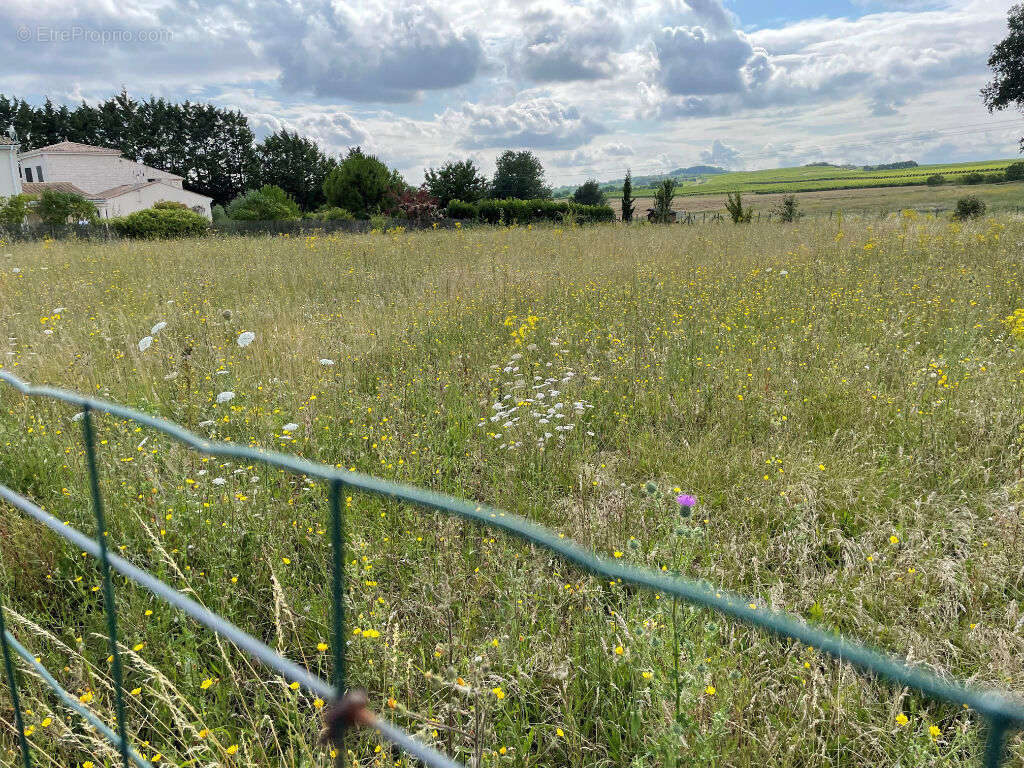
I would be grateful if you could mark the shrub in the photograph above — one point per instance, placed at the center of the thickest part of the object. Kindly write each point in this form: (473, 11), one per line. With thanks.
(219, 214)
(739, 214)
(935, 180)
(379, 222)
(591, 214)
(15, 210)
(969, 207)
(268, 203)
(172, 205)
(457, 209)
(58, 208)
(1014, 172)
(158, 223)
(787, 210)
(416, 205)
(973, 178)
(335, 214)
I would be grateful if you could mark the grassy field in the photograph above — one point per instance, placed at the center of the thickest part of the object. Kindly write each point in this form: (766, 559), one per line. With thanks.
(844, 400)
(814, 178)
(875, 201)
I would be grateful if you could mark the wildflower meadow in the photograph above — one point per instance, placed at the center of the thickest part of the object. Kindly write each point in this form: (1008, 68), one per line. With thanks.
(826, 417)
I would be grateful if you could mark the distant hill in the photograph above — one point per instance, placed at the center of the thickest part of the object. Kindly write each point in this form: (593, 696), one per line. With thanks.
(693, 173)
(813, 177)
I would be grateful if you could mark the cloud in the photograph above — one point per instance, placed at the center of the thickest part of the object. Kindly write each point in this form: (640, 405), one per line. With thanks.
(591, 156)
(721, 155)
(570, 43)
(366, 51)
(539, 123)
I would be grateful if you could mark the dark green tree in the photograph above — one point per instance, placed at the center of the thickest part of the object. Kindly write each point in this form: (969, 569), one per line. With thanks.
(296, 165)
(519, 175)
(361, 184)
(628, 202)
(1015, 172)
(589, 193)
(1007, 63)
(460, 180)
(663, 201)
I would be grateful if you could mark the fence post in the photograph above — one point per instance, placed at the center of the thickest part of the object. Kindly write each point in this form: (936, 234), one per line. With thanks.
(108, 588)
(995, 744)
(338, 587)
(12, 681)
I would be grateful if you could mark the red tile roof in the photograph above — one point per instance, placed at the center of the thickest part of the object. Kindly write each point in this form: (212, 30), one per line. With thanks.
(76, 147)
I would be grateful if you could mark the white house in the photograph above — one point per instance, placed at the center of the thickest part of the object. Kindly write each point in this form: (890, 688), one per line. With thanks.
(116, 185)
(10, 183)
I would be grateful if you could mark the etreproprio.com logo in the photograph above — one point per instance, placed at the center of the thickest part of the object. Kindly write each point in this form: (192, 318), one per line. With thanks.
(91, 35)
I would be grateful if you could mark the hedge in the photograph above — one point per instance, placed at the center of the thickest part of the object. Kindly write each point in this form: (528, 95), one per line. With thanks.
(514, 211)
(157, 223)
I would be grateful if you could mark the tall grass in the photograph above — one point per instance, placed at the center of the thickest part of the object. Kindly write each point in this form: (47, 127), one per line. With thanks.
(843, 399)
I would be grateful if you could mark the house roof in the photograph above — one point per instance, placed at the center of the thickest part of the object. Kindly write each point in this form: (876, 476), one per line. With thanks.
(161, 172)
(124, 189)
(38, 187)
(75, 148)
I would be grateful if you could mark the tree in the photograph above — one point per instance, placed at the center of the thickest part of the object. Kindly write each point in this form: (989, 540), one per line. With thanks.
(268, 203)
(460, 180)
(1015, 172)
(734, 205)
(361, 184)
(589, 193)
(663, 201)
(628, 202)
(1007, 63)
(969, 207)
(296, 165)
(416, 205)
(519, 175)
(58, 208)
(15, 210)
(788, 210)
(935, 180)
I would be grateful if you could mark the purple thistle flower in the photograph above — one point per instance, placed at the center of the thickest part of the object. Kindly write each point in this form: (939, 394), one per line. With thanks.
(686, 500)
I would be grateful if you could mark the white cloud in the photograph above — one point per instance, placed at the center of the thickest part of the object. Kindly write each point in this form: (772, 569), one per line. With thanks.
(540, 122)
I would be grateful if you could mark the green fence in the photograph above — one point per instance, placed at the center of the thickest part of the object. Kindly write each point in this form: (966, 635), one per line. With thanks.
(1001, 714)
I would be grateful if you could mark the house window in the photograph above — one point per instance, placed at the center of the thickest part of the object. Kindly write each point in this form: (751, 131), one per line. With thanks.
(28, 174)
(39, 172)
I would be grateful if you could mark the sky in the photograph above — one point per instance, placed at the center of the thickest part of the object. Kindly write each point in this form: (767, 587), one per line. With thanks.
(592, 86)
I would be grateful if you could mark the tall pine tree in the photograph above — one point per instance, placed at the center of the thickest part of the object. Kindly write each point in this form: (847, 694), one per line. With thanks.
(628, 203)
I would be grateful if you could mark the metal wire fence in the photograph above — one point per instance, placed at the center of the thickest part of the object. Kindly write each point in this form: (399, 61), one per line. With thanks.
(1001, 714)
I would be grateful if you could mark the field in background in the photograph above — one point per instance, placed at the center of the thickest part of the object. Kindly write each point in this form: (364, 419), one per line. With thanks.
(817, 177)
(1008, 196)
(843, 399)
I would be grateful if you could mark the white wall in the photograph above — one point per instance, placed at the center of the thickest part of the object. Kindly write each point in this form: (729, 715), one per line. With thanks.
(9, 182)
(145, 197)
(92, 173)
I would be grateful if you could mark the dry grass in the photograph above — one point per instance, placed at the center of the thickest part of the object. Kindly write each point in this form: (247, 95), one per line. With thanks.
(845, 403)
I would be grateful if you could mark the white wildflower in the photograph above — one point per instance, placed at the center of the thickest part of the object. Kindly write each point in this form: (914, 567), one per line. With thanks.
(246, 338)
(158, 327)
(225, 396)
(145, 342)
(326, 361)
(218, 481)
(291, 426)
